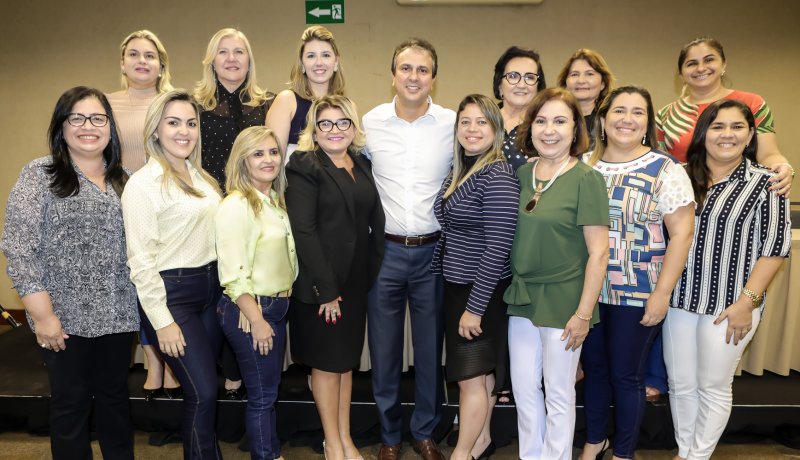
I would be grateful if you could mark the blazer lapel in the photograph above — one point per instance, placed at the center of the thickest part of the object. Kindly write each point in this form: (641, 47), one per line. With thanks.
(339, 179)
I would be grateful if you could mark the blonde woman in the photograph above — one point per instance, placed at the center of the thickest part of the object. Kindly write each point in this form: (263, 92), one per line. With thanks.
(257, 266)
(316, 73)
(169, 207)
(145, 75)
(477, 209)
(229, 96)
(337, 221)
(231, 101)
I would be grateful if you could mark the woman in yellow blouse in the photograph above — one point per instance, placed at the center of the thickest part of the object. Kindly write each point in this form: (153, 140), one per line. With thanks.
(257, 266)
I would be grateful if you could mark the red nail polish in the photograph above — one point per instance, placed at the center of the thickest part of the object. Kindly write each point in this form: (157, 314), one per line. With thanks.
(327, 320)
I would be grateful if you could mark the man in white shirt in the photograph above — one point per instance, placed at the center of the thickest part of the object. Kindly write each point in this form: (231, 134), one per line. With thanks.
(410, 143)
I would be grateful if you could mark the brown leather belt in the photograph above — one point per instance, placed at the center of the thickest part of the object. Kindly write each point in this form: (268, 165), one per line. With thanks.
(414, 240)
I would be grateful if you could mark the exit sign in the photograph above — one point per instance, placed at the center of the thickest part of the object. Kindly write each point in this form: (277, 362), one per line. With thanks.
(325, 12)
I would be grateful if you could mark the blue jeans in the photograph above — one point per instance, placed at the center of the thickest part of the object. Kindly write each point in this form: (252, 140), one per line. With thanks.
(614, 361)
(261, 373)
(405, 276)
(192, 295)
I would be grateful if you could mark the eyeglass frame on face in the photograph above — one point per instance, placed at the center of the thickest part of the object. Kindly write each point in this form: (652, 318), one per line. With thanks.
(336, 123)
(79, 116)
(524, 77)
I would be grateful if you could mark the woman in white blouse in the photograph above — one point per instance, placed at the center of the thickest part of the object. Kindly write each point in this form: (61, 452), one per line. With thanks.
(168, 208)
(257, 266)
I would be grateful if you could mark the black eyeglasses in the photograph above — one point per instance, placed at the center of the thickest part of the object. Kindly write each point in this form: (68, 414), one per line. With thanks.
(327, 125)
(98, 120)
(514, 77)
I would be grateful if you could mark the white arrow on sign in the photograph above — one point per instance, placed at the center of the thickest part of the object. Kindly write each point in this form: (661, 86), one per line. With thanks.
(317, 12)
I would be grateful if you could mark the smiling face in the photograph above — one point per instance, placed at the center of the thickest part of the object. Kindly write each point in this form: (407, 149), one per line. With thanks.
(625, 123)
(178, 131)
(553, 129)
(413, 77)
(727, 136)
(231, 62)
(319, 61)
(335, 141)
(703, 67)
(520, 94)
(583, 81)
(475, 133)
(264, 164)
(140, 63)
(87, 141)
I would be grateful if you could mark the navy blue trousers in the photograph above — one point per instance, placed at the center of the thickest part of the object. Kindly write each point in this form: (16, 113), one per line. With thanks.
(192, 295)
(405, 278)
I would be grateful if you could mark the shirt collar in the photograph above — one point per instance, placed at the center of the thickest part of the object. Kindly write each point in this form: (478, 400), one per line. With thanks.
(742, 172)
(391, 111)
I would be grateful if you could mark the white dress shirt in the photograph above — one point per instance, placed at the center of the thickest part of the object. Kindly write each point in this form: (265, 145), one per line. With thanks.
(165, 228)
(409, 162)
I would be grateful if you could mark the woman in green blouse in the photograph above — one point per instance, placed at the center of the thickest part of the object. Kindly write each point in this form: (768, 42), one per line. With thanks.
(257, 266)
(558, 262)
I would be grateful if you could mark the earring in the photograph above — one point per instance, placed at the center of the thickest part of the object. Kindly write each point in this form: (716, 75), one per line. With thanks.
(303, 70)
(644, 139)
(602, 134)
(573, 139)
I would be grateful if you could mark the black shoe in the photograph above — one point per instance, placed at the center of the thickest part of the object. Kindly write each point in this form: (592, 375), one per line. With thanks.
(234, 395)
(174, 393)
(488, 452)
(150, 395)
(602, 453)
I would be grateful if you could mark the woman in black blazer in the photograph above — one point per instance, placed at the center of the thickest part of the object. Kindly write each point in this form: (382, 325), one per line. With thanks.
(338, 222)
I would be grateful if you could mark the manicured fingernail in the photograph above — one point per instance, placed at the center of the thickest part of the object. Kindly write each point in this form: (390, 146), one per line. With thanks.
(327, 320)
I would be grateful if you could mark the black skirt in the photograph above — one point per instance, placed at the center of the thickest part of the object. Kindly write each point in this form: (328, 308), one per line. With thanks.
(483, 354)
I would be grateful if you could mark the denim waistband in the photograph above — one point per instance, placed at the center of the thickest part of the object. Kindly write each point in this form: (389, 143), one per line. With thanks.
(211, 266)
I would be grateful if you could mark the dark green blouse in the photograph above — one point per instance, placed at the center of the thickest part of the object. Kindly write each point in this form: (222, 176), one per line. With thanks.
(549, 255)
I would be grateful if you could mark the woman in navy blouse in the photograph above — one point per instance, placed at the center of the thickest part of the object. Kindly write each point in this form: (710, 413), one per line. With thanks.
(742, 234)
(477, 209)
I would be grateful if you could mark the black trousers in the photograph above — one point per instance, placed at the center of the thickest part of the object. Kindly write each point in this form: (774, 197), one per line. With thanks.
(90, 370)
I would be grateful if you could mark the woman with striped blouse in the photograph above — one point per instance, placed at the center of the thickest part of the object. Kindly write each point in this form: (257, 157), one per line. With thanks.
(477, 209)
(742, 234)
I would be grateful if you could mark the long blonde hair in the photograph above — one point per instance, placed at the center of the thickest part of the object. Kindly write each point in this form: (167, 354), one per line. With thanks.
(205, 91)
(163, 82)
(298, 81)
(152, 146)
(489, 109)
(307, 142)
(237, 172)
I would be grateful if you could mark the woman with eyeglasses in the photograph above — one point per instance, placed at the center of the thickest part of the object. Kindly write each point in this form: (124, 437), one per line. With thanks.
(317, 72)
(64, 242)
(145, 75)
(558, 262)
(169, 207)
(651, 203)
(518, 77)
(337, 220)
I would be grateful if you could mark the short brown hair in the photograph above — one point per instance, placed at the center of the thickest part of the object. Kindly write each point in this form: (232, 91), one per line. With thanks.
(418, 43)
(581, 140)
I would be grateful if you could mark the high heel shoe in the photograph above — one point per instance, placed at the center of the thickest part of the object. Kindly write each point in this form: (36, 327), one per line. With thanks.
(174, 393)
(150, 395)
(602, 453)
(488, 452)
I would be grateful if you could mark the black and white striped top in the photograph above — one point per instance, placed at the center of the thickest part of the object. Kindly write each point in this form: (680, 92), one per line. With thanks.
(740, 221)
(478, 222)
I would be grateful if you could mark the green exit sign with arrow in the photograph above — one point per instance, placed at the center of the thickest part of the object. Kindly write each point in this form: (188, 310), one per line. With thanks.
(325, 12)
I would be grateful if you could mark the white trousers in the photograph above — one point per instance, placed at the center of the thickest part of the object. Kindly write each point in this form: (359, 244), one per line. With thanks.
(700, 368)
(546, 427)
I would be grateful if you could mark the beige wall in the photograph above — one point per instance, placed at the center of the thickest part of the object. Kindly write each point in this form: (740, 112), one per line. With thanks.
(48, 46)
